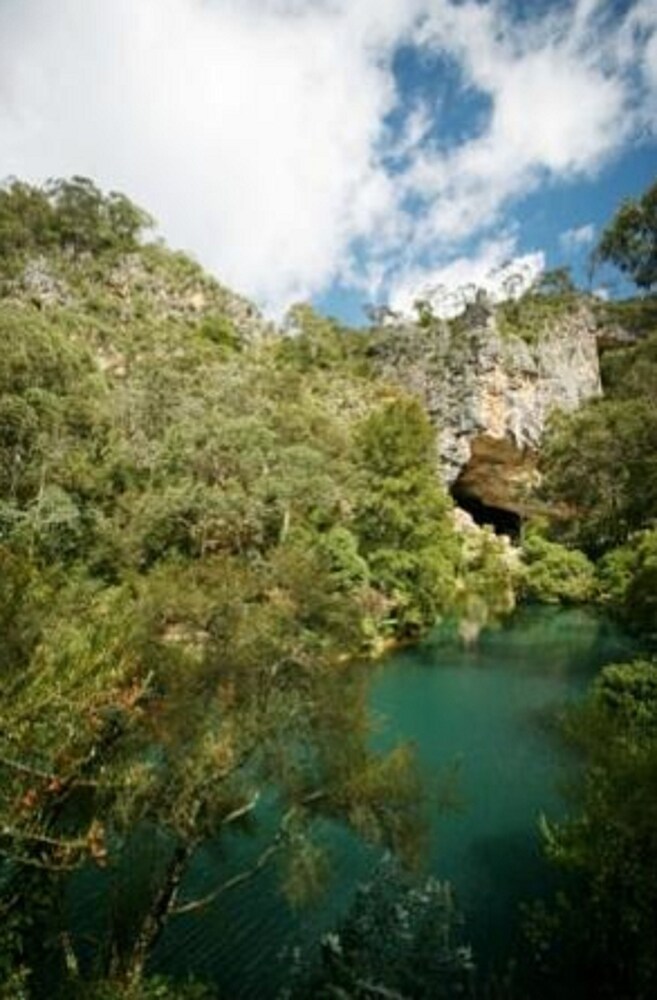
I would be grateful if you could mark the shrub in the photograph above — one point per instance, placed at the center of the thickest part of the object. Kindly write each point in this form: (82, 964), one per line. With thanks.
(552, 573)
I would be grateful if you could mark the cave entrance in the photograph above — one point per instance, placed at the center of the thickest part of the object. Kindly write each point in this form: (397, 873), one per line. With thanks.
(503, 522)
(493, 484)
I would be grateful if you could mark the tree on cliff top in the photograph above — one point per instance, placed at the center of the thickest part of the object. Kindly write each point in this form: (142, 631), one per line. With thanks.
(71, 215)
(630, 239)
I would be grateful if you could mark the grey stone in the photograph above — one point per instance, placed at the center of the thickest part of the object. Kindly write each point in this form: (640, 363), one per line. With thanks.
(490, 394)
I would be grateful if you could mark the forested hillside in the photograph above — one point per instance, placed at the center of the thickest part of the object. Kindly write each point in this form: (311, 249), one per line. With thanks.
(206, 526)
(201, 526)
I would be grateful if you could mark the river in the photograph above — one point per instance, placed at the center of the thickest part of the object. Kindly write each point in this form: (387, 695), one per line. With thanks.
(486, 716)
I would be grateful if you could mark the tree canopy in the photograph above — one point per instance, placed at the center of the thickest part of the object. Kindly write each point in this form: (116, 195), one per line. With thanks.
(71, 215)
(630, 240)
(197, 544)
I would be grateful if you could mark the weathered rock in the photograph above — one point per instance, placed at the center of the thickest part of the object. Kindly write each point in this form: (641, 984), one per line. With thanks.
(153, 282)
(490, 393)
(41, 285)
(174, 287)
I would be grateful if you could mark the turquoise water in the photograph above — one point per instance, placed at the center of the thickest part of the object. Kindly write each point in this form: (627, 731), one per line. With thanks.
(489, 715)
(484, 716)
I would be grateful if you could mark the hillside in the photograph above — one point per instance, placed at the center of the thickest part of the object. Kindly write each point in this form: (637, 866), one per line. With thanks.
(201, 525)
(206, 522)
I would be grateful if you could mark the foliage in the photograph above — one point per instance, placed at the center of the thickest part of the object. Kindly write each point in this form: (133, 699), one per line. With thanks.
(628, 577)
(596, 938)
(402, 521)
(557, 281)
(315, 342)
(552, 573)
(640, 604)
(152, 988)
(486, 584)
(533, 313)
(615, 571)
(636, 316)
(191, 551)
(220, 331)
(348, 568)
(630, 239)
(600, 466)
(629, 373)
(600, 932)
(401, 937)
(71, 215)
(526, 314)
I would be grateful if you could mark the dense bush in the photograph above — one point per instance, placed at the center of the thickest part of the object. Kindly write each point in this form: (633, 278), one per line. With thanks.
(552, 573)
(628, 580)
(69, 215)
(402, 522)
(402, 937)
(600, 463)
(598, 938)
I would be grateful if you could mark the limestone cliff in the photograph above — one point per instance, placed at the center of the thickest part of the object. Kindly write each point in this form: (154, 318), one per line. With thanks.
(490, 391)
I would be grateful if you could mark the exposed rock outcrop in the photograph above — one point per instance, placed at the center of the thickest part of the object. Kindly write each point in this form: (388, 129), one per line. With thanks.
(174, 287)
(153, 282)
(490, 392)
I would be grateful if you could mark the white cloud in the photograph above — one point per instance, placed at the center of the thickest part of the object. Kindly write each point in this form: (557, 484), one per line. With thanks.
(578, 238)
(247, 128)
(494, 267)
(559, 111)
(257, 131)
(636, 46)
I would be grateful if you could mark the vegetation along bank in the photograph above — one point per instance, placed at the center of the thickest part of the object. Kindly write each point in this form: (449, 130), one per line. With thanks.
(204, 522)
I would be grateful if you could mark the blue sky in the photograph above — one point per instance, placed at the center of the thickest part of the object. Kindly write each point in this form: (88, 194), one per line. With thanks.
(343, 151)
(541, 221)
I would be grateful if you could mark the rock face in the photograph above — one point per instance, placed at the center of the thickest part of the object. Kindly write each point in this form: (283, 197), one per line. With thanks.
(173, 286)
(154, 281)
(490, 393)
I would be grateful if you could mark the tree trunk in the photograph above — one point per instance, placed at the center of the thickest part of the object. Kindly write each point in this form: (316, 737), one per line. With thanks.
(158, 914)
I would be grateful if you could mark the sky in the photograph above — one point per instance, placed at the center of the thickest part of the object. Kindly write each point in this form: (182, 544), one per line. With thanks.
(343, 151)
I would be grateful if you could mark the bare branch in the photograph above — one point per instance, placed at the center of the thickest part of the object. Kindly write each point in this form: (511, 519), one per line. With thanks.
(231, 883)
(36, 863)
(241, 811)
(261, 862)
(39, 838)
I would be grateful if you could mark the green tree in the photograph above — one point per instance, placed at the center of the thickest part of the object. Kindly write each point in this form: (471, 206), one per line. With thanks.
(403, 519)
(86, 220)
(313, 342)
(598, 940)
(172, 712)
(71, 215)
(600, 463)
(402, 937)
(628, 581)
(630, 239)
(552, 573)
(193, 543)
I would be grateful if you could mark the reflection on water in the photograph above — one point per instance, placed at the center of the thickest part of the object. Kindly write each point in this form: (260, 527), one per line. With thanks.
(483, 714)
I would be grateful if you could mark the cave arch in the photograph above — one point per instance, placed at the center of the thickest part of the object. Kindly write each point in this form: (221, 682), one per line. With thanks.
(493, 485)
(503, 522)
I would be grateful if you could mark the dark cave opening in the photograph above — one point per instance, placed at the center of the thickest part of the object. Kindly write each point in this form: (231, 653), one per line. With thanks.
(503, 522)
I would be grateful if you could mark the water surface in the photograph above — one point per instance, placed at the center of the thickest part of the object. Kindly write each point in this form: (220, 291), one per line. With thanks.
(487, 715)
(491, 713)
